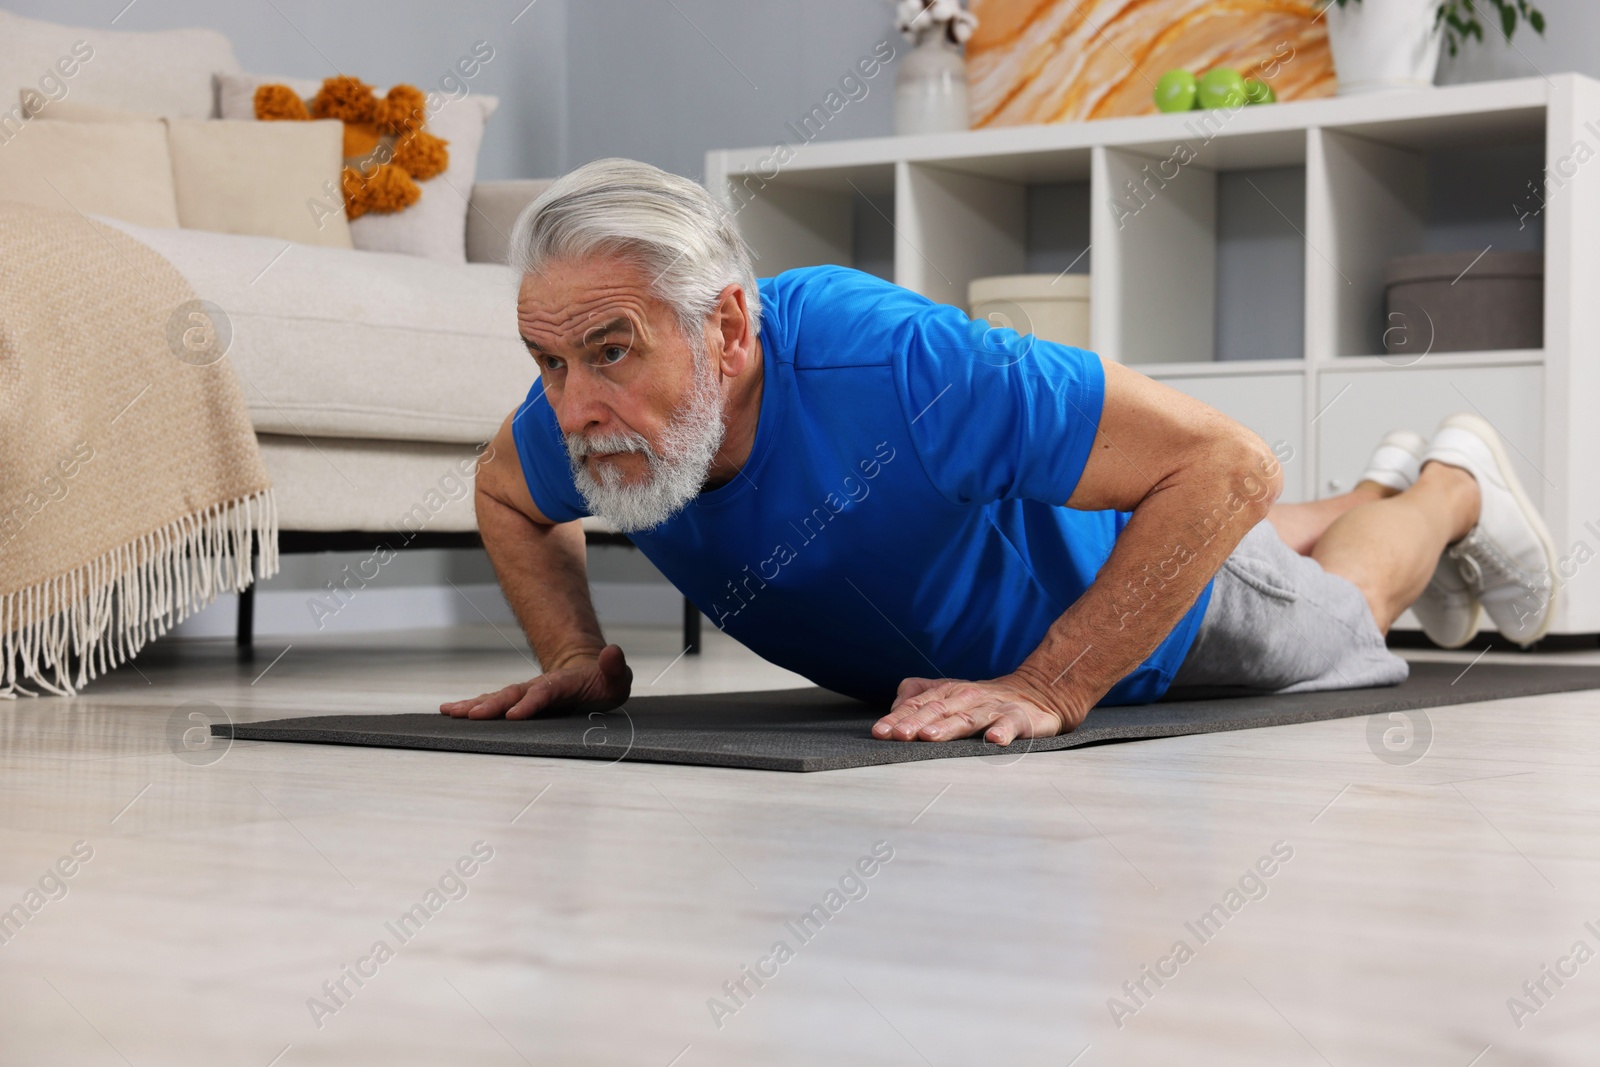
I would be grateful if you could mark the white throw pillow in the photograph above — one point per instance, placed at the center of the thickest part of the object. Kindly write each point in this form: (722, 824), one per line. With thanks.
(166, 73)
(236, 93)
(436, 225)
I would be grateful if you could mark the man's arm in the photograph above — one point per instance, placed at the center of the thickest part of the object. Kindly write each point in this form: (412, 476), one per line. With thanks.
(542, 570)
(1196, 482)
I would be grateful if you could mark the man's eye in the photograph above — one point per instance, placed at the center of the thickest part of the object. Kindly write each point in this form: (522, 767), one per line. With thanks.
(550, 362)
(606, 353)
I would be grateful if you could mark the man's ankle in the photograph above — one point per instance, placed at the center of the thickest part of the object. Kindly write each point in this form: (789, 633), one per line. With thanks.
(1461, 489)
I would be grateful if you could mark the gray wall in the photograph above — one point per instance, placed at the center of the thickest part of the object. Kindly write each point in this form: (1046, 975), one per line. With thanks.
(664, 82)
(1571, 44)
(383, 43)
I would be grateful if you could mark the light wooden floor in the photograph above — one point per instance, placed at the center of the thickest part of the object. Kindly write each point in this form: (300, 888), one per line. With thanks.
(1022, 892)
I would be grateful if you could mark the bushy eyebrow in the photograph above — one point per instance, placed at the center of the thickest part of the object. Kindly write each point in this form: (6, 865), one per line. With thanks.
(604, 330)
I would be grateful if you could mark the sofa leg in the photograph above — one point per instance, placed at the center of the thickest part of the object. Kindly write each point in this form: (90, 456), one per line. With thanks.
(691, 627)
(245, 627)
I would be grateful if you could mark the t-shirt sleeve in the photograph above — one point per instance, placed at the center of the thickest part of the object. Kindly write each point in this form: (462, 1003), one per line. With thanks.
(995, 414)
(544, 459)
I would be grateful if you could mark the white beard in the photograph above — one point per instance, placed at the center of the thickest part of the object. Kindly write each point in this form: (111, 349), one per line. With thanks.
(676, 473)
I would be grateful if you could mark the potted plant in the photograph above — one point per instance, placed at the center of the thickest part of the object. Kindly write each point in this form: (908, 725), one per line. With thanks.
(1383, 45)
(930, 90)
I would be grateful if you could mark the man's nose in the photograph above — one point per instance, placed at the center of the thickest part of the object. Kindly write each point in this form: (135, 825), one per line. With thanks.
(583, 406)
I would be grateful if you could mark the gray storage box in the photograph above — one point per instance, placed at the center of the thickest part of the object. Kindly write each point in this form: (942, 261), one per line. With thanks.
(1446, 302)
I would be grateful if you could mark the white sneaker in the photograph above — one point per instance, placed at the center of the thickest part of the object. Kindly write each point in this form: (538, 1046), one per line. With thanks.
(1507, 561)
(1448, 609)
(1397, 461)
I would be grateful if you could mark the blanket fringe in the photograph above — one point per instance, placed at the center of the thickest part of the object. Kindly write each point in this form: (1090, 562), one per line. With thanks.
(63, 632)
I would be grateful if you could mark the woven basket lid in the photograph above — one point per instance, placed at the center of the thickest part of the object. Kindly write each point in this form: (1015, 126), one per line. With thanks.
(1028, 287)
(1448, 266)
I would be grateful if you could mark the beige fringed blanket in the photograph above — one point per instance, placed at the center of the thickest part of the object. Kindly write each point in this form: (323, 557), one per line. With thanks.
(130, 481)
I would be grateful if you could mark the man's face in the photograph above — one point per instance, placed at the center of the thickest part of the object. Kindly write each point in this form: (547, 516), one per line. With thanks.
(641, 421)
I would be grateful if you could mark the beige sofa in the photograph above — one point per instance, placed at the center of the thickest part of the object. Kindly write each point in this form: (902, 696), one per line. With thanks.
(373, 379)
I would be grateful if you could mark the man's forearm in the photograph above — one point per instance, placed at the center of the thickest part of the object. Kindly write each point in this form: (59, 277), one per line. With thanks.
(544, 575)
(1176, 539)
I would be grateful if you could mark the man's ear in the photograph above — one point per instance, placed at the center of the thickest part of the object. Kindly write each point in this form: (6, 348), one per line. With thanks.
(738, 339)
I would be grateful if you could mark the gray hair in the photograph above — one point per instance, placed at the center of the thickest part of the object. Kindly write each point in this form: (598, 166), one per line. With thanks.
(671, 226)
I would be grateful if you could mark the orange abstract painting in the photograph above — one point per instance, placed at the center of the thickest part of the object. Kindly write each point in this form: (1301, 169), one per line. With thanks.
(1033, 61)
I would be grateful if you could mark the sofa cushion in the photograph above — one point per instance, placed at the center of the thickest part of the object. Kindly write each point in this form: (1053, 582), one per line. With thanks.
(262, 178)
(167, 73)
(121, 169)
(332, 342)
(399, 487)
(271, 179)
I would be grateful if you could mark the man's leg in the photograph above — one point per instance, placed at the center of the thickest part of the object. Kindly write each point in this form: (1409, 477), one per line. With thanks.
(1388, 548)
(1392, 467)
(1302, 525)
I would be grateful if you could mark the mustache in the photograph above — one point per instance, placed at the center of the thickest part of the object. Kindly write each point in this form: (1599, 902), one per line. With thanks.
(581, 445)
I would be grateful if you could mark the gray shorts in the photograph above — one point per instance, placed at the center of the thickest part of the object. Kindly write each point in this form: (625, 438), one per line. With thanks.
(1277, 622)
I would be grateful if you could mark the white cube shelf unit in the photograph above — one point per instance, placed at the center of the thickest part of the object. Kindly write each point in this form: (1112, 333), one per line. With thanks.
(1239, 257)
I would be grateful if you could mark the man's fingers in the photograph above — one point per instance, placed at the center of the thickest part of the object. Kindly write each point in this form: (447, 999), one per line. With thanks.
(1021, 720)
(601, 681)
(907, 708)
(948, 709)
(897, 715)
(539, 694)
(495, 704)
(458, 708)
(914, 692)
(615, 673)
(1010, 722)
(562, 687)
(962, 722)
(999, 722)
(612, 661)
(946, 702)
(910, 687)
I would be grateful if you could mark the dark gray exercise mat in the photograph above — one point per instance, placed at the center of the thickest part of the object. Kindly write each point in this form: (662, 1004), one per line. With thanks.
(815, 730)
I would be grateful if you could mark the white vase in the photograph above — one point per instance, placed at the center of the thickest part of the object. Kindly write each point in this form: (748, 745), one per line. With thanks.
(930, 86)
(1384, 45)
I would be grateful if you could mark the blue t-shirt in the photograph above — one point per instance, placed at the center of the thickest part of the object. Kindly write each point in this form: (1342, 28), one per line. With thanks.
(902, 510)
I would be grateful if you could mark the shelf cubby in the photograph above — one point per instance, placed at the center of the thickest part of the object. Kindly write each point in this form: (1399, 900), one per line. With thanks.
(961, 219)
(1260, 264)
(802, 218)
(1379, 195)
(1202, 245)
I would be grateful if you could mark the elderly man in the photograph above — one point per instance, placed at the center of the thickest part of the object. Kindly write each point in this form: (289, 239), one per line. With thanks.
(984, 533)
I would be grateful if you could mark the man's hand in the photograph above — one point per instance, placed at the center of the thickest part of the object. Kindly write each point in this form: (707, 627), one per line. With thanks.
(589, 683)
(943, 709)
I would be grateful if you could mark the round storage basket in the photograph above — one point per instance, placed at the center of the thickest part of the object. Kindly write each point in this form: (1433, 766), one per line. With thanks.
(1052, 307)
(1463, 302)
